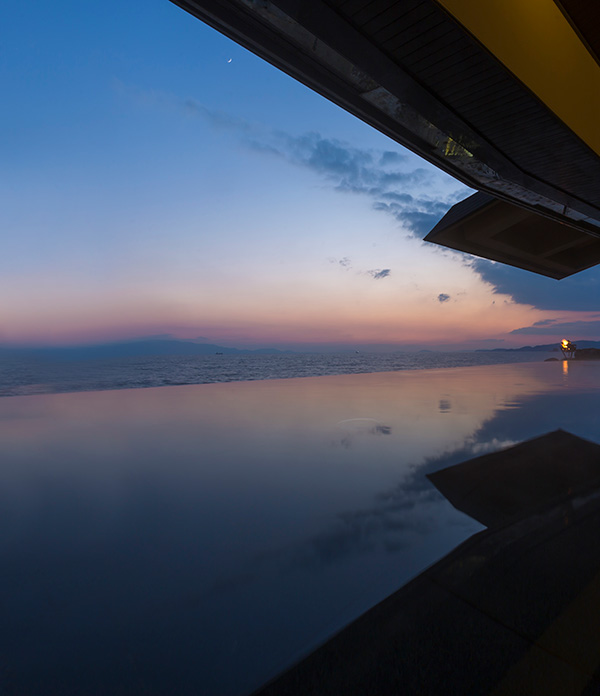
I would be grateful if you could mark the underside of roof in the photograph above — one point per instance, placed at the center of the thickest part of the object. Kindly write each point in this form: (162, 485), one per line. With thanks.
(485, 226)
(413, 71)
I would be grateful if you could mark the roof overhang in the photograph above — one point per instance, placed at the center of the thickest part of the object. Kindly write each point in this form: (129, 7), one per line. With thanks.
(437, 79)
(485, 226)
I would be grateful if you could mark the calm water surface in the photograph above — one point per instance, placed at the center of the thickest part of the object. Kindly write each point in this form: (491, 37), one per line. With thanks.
(21, 375)
(199, 539)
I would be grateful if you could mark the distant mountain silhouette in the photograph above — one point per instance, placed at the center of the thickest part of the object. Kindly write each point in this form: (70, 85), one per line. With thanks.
(546, 348)
(141, 348)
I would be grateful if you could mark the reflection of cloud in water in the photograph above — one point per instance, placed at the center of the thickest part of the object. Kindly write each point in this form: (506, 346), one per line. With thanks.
(353, 428)
(398, 519)
(399, 514)
(493, 445)
(403, 517)
(386, 523)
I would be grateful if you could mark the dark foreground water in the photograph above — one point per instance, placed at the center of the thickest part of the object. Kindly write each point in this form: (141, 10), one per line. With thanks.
(198, 539)
(27, 376)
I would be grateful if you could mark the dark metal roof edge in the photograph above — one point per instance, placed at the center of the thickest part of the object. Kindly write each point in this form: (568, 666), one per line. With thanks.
(240, 21)
(461, 210)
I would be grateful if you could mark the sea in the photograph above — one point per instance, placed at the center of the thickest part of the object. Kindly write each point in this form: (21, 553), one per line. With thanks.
(21, 376)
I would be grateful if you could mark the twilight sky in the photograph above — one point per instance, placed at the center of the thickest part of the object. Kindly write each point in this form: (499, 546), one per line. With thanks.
(156, 178)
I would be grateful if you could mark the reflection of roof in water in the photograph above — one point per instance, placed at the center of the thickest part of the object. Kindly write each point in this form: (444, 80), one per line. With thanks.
(498, 487)
(478, 89)
(512, 610)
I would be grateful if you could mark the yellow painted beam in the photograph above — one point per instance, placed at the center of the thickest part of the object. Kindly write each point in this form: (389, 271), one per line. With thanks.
(534, 40)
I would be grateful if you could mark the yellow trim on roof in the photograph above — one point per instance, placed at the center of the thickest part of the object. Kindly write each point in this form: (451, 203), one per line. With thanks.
(534, 40)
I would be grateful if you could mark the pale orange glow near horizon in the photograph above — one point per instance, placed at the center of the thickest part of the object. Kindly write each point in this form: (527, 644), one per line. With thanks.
(329, 306)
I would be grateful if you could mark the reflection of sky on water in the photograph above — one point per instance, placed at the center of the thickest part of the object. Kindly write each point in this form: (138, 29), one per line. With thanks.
(197, 539)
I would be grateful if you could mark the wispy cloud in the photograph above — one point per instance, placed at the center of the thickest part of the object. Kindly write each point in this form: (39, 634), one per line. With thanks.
(378, 274)
(388, 178)
(385, 177)
(391, 157)
(545, 322)
(575, 329)
(345, 262)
